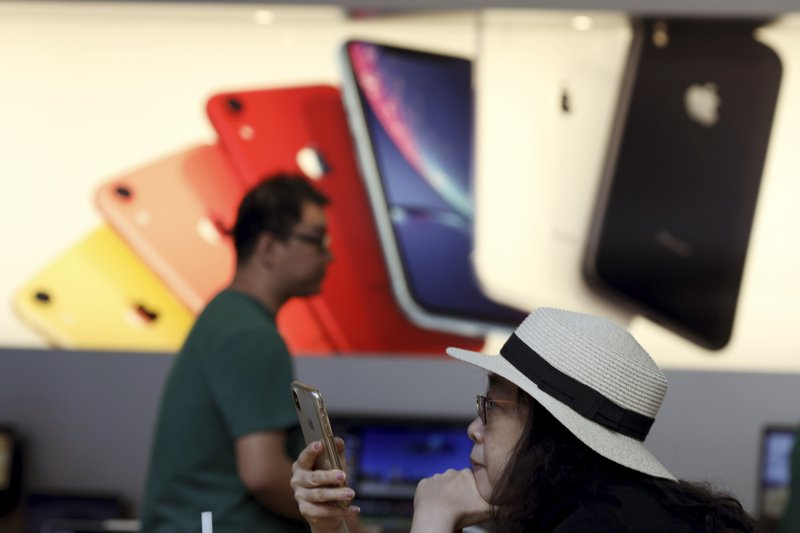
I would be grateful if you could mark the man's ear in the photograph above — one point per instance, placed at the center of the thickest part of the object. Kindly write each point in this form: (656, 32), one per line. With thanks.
(267, 245)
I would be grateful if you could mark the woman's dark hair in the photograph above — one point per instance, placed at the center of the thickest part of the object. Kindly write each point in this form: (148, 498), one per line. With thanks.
(275, 205)
(559, 464)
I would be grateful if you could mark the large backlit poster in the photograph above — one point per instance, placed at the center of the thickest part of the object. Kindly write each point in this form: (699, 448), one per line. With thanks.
(479, 165)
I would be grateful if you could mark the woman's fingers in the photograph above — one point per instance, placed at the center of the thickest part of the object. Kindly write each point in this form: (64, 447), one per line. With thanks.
(303, 473)
(318, 478)
(325, 507)
(308, 456)
(325, 517)
(325, 494)
(451, 499)
(340, 451)
(339, 444)
(322, 497)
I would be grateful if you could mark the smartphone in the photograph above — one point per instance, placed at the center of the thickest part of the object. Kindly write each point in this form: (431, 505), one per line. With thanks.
(267, 131)
(411, 115)
(542, 126)
(304, 130)
(176, 213)
(674, 213)
(315, 424)
(99, 295)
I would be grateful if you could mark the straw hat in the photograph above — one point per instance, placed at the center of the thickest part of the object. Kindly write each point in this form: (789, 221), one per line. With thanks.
(591, 375)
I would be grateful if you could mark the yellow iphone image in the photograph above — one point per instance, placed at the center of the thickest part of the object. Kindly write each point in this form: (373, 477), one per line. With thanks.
(100, 296)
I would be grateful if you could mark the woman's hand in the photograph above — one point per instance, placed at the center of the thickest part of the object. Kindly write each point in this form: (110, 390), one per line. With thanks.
(448, 501)
(322, 496)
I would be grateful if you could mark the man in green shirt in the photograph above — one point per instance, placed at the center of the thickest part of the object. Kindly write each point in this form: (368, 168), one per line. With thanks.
(227, 430)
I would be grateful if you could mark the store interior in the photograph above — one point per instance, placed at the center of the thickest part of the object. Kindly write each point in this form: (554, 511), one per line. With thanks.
(101, 93)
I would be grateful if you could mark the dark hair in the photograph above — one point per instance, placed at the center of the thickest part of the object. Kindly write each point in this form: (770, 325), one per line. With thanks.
(275, 205)
(558, 464)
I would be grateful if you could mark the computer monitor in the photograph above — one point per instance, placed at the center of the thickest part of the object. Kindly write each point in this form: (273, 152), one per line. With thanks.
(774, 471)
(386, 458)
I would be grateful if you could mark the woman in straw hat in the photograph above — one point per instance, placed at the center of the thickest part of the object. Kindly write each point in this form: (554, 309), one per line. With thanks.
(558, 445)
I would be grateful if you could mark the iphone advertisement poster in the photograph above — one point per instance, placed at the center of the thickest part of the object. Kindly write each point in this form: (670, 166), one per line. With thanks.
(480, 164)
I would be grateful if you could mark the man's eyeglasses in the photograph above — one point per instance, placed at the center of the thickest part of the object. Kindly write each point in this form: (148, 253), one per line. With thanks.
(484, 404)
(322, 242)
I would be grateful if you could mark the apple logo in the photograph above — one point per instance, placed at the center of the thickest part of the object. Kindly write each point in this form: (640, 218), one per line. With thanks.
(208, 231)
(312, 163)
(702, 103)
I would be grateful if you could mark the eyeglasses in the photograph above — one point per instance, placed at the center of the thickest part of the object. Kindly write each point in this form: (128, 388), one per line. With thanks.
(322, 242)
(484, 404)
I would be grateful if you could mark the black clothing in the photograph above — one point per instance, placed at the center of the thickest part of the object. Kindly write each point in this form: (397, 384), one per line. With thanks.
(613, 508)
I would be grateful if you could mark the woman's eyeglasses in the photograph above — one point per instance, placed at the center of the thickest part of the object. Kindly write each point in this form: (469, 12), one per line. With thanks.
(484, 404)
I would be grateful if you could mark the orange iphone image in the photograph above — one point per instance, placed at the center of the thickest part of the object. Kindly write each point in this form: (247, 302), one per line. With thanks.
(100, 296)
(304, 130)
(177, 214)
(160, 212)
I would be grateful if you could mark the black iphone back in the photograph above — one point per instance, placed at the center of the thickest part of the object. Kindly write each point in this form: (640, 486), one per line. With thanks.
(673, 217)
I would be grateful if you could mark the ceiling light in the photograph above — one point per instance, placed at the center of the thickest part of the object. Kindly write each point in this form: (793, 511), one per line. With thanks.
(582, 23)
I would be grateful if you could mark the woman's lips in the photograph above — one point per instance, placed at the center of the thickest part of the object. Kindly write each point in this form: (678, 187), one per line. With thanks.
(476, 466)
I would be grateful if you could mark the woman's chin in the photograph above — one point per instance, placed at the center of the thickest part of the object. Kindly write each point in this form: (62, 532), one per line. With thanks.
(482, 482)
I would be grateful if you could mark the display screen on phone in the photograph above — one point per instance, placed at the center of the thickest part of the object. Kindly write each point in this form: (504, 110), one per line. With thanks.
(418, 108)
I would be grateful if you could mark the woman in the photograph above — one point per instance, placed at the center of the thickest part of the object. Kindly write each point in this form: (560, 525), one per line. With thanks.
(558, 445)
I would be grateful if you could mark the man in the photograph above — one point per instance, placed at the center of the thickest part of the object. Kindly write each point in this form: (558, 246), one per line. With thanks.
(227, 430)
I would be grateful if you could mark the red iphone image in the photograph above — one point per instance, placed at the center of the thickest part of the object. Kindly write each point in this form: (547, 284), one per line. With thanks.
(304, 130)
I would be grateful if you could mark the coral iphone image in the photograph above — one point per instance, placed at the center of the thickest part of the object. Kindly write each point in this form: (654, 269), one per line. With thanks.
(684, 169)
(304, 130)
(176, 213)
(543, 121)
(411, 114)
(99, 295)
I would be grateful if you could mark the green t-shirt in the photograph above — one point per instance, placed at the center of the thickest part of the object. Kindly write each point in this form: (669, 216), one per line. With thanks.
(230, 378)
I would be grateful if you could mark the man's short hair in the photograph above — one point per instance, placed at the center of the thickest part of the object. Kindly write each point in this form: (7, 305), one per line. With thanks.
(275, 206)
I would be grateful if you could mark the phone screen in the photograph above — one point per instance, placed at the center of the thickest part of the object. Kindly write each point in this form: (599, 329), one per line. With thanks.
(418, 109)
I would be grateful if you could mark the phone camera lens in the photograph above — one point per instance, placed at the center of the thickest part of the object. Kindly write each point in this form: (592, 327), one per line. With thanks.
(566, 103)
(123, 192)
(42, 296)
(146, 314)
(661, 35)
(234, 104)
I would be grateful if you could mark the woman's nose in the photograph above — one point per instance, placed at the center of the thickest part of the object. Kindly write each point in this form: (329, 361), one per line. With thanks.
(475, 430)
